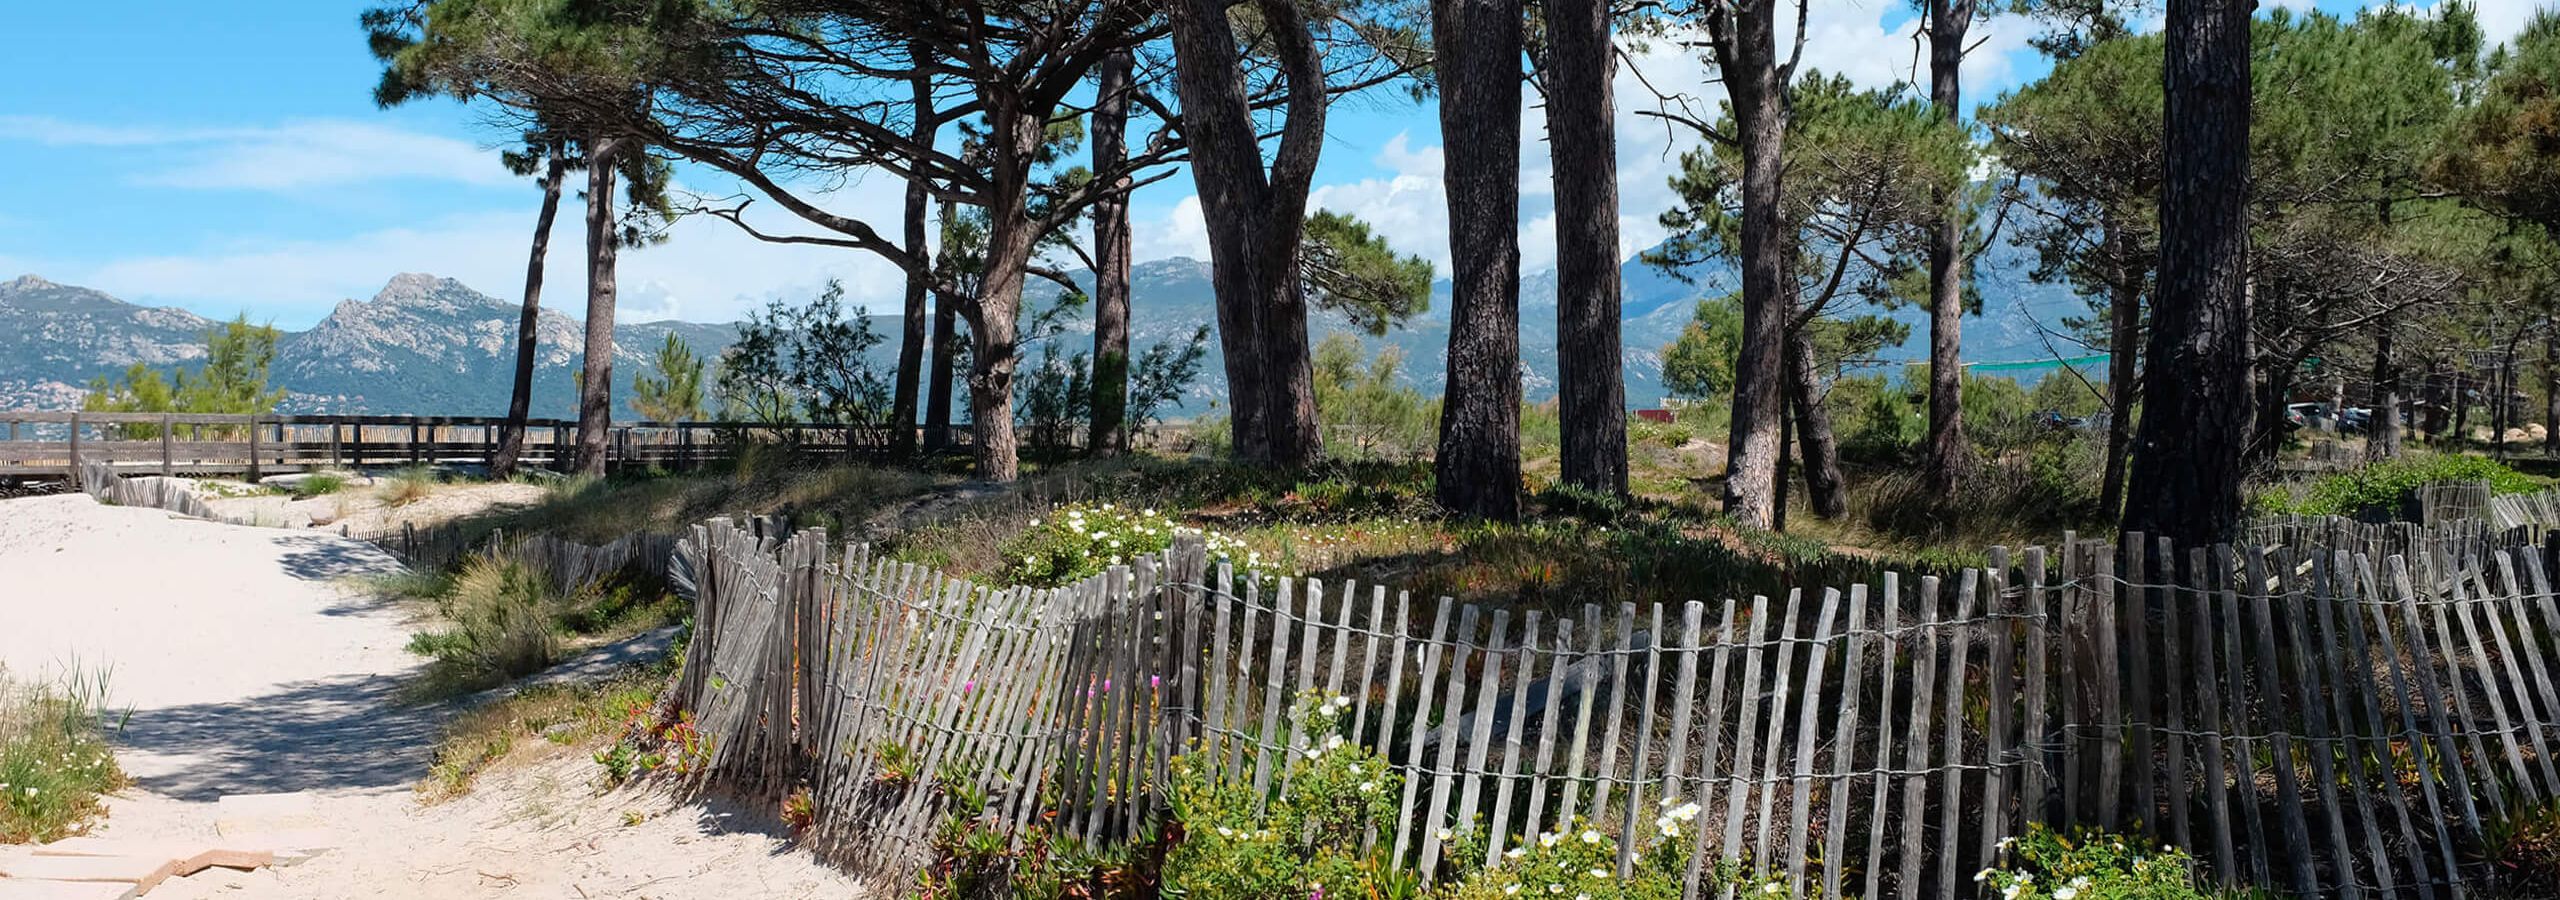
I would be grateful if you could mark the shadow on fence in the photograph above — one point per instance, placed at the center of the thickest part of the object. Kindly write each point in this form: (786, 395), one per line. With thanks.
(2312, 716)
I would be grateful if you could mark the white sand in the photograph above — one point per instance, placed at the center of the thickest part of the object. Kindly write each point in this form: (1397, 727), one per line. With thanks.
(255, 661)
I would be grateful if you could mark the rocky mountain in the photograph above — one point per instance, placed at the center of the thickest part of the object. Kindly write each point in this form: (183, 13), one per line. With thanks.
(54, 338)
(431, 345)
(421, 345)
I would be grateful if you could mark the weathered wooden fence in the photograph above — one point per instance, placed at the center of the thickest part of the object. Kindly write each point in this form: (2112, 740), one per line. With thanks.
(2310, 718)
(56, 444)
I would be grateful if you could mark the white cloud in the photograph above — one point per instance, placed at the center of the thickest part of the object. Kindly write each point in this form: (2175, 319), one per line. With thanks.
(1182, 231)
(708, 271)
(298, 154)
(2502, 20)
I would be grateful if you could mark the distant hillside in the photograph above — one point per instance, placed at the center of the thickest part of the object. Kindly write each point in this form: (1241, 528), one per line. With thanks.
(425, 344)
(422, 345)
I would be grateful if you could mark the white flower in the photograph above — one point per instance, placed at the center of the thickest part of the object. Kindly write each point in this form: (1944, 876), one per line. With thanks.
(1226, 832)
(2080, 882)
(1597, 873)
(1333, 743)
(1982, 876)
(1555, 888)
(1510, 889)
(1772, 888)
(1515, 853)
(1368, 787)
(2066, 893)
(1445, 834)
(1590, 837)
(2011, 892)
(1549, 840)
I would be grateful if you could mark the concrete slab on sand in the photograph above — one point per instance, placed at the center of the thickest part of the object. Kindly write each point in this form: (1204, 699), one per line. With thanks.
(141, 872)
(66, 890)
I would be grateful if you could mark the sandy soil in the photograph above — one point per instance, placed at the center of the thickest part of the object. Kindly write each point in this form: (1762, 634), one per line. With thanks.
(255, 661)
(359, 508)
(538, 831)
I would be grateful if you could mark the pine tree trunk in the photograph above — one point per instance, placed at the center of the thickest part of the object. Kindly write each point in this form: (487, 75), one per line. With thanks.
(2186, 468)
(911, 331)
(2461, 402)
(2551, 383)
(1014, 134)
(595, 388)
(1478, 45)
(2382, 425)
(1824, 487)
(1255, 219)
(2124, 378)
(1947, 452)
(1582, 138)
(1110, 427)
(939, 375)
(528, 322)
(1759, 110)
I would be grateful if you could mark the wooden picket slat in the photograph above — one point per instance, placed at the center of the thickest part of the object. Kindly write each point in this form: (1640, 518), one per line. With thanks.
(1644, 745)
(1835, 831)
(1558, 666)
(1524, 671)
(1433, 652)
(1951, 798)
(1915, 748)
(1880, 787)
(1801, 804)
(2236, 703)
(1745, 735)
(2174, 689)
(1480, 736)
(1444, 768)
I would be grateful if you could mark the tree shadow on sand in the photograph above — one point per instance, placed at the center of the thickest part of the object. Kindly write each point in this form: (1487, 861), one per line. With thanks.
(346, 732)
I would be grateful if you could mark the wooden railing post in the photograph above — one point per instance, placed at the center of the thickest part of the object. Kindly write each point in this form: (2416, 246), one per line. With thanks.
(168, 447)
(75, 448)
(253, 448)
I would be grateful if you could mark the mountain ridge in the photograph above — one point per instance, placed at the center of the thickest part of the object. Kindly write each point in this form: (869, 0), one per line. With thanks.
(427, 344)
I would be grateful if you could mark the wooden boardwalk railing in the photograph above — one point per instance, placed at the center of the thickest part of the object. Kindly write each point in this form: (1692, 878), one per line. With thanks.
(2307, 717)
(56, 444)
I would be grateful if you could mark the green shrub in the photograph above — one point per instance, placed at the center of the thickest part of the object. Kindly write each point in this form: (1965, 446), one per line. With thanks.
(1081, 540)
(54, 758)
(1303, 842)
(500, 614)
(407, 486)
(2044, 864)
(319, 484)
(2386, 485)
(2522, 849)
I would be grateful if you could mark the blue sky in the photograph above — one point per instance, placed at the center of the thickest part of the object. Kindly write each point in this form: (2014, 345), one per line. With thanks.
(227, 157)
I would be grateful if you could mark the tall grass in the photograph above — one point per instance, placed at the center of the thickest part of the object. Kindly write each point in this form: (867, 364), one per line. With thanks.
(500, 614)
(407, 486)
(54, 760)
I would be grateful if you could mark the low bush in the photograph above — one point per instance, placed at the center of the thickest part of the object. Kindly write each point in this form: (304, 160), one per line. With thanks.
(500, 614)
(2522, 850)
(2045, 864)
(1079, 541)
(54, 758)
(1305, 841)
(556, 714)
(2028, 496)
(407, 486)
(2385, 486)
(319, 484)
